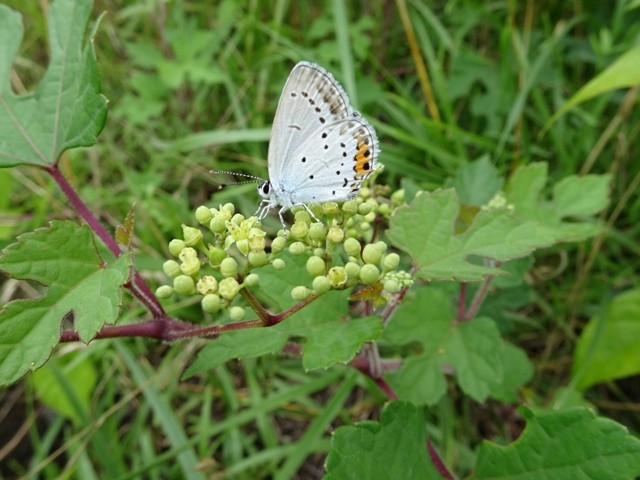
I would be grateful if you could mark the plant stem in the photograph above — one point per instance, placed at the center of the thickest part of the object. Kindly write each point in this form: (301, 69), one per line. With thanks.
(137, 286)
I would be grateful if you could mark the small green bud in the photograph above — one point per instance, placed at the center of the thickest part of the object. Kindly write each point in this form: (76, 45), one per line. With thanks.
(370, 217)
(352, 269)
(302, 216)
(278, 264)
(243, 246)
(236, 313)
(319, 252)
(171, 268)
(175, 246)
(392, 286)
(350, 207)
(216, 255)
(397, 197)
(384, 209)
(228, 288)
(227, 210)
(315, 266)
(336, 234)
(190, 267)
(300, 293)
(278, 244)
(207, 284)
(203, 215)
(391, 262)
(337, 276)
(164, 291)
(211, 303)
(330, 208)
(229, 267)
(365, 208)
(297, 248)
(218, 224)
(237, 219)
(257, 258)
(317, 232)
(192, 236)
(300, 229)
(352, 247)
(365, 192)
(371, 254)
(184, 285)
(381, 246)
(257, 241)
(321, 284)
(251, 280)
(369, 274)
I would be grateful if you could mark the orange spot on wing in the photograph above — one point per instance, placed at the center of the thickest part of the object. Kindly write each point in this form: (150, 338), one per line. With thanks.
(363, 160)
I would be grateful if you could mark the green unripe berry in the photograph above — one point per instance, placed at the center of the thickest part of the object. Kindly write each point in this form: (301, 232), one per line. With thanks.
(350, 207)
(391, 262)
(216, 255)
(297, 248)
(192, 236)
(164, 291)
(211, 303)
(229, 267)
(257, 258)
(171, 268)
(175, 246)
(371, 254)
(369, 274)
(252, 279)
(352, 269)
(365, 208)
(218, 224)
(278, 244)
(392, 286)
(337, 276)
(302, 216)
(203, 215)
(184, 285)
(317, 232)
(300, 293)
(315, 266)
(321, 284)
(278, 264)
(335, 234)
(236, 313)
(352, 247)
(228, 288)
(207, 284)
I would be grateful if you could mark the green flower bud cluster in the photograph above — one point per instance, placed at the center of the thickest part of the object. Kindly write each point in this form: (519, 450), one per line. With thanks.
(215, 259)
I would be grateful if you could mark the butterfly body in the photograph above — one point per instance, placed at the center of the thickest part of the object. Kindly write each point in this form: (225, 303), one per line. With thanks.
(321, 149)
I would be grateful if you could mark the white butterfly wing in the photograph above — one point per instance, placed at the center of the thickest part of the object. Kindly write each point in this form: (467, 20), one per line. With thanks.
(320, 148)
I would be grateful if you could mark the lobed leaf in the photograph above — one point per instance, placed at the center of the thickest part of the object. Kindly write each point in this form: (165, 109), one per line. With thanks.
(66, 110)
(81, 287)
(568, 444)
(394, 447)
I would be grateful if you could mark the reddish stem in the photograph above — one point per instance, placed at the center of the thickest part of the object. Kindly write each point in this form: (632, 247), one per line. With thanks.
(138, 287)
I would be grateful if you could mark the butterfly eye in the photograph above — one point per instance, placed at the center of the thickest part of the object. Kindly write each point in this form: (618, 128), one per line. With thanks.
(265, 188)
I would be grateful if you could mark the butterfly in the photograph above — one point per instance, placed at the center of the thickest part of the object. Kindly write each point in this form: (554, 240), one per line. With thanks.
(321, 149)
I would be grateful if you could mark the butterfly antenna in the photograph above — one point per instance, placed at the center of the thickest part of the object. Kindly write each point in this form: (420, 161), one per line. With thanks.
(254, 179)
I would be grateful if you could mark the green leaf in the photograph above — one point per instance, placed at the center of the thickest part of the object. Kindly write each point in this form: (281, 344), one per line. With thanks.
(473, 350)
(568, 444)
(581, 196)
(477, 182)
(330, 335)
(609, 346)
(624, 72)
(66, 109)
(426, 230)
(394, 447)
(81, 287)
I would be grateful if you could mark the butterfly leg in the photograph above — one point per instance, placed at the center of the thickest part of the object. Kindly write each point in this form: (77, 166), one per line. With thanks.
(310, 212)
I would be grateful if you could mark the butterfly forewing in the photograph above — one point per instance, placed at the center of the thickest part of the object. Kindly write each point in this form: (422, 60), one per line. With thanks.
(311, 99)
